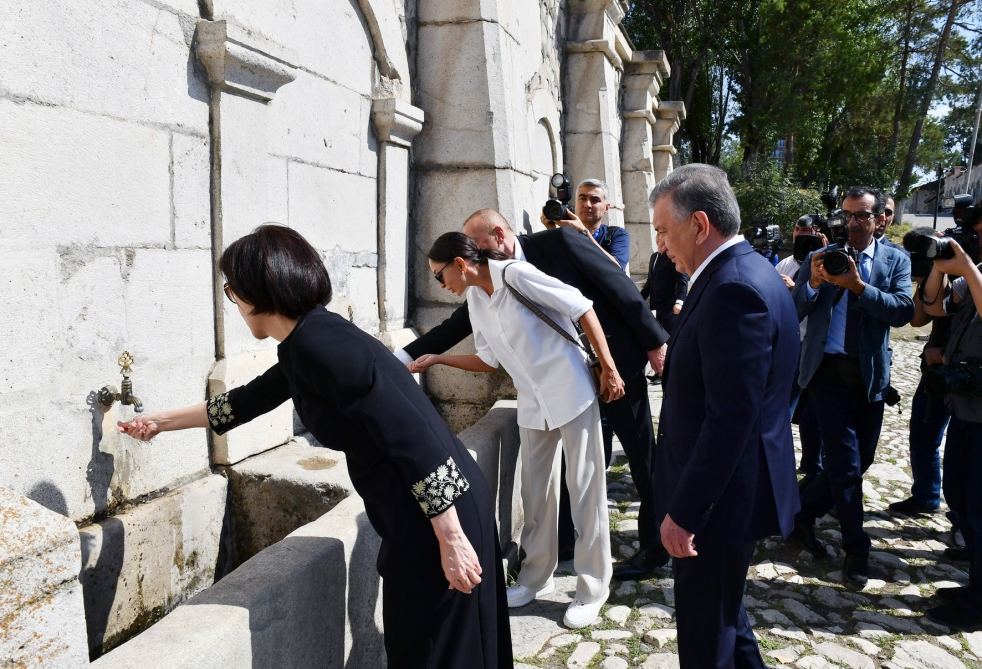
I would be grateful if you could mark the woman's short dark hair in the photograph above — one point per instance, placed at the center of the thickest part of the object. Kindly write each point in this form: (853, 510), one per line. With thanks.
(452, 245)
(277, 271)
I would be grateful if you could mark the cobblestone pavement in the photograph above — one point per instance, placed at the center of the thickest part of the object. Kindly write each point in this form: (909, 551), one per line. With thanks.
(803, 614)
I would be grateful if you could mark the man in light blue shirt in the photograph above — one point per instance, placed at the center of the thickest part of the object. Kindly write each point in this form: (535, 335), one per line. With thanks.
(845, 367)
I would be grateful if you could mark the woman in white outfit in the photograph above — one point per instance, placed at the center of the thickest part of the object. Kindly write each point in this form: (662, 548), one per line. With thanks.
(557, 400)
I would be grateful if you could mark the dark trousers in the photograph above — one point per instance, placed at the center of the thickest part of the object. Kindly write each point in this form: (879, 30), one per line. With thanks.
(963, 490)
(713, 628)
(630, 419)
(810, 433)
(850, 427)
(929, 416)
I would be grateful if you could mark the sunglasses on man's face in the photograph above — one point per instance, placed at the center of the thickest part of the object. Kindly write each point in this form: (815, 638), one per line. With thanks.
(888, 212)
(439, 275)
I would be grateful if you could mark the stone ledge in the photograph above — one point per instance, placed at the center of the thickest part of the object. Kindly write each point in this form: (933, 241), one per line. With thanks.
(395, 121)
(242, 63)
(42, 617)
(260, 614)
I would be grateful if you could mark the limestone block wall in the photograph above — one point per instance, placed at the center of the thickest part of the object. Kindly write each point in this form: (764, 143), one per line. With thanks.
(488, 78)
(105, 244)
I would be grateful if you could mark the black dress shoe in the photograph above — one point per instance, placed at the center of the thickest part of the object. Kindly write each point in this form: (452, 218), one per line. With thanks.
(804, 536)
(960, 614)
(957, 553)
(855, 569)
(912, 507)
(642, 565)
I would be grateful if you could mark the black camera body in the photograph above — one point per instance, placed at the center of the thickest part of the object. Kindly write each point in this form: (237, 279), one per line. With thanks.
(960, 378)
(833, 225)
(836, 258)
(560, 194)
(765, 239)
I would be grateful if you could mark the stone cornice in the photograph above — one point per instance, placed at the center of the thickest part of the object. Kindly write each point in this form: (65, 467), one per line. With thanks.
(242, 63)
(597, 46)
(652, 61)
(673, 110)
(395, 121)
(646, 114)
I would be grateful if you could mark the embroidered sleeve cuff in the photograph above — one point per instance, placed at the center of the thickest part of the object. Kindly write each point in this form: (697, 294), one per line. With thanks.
(220, 414)
(440, 489)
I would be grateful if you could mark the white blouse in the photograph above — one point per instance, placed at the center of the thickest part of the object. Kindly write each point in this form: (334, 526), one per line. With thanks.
(550, 373)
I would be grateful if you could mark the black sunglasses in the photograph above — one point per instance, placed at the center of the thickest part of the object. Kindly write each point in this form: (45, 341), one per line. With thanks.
(888, 212)
(439, 275)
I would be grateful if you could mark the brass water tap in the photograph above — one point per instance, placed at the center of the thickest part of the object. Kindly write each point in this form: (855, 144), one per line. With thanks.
(108, 394)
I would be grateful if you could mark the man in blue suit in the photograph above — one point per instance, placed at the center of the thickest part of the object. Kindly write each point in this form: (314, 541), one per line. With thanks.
(845, 365)
(724, 470)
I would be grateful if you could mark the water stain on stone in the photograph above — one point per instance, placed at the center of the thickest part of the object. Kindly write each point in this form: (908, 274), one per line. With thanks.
(317, 462)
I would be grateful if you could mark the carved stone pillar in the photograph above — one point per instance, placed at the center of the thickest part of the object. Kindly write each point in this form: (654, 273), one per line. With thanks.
(596, 52)
(244, 72)
(643, 77)
(396, 123)
(668, 119)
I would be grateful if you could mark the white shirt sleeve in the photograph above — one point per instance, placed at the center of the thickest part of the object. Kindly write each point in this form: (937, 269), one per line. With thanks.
(402, 356)
(484, 351)
(547, 291)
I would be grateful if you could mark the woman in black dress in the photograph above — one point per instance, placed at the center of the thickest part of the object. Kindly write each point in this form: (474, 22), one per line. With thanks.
(443, 586)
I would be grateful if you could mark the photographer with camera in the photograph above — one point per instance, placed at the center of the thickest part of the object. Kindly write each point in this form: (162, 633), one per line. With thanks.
(960, 379)
(591, 207)
(852, 295)
(929, 413)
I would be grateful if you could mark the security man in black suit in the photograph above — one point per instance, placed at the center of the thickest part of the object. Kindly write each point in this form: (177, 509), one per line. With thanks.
(634, 337)
(665, 287)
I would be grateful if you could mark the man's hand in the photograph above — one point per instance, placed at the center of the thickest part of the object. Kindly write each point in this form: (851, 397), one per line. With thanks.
(957, 266)
(788, 281)
(656, 357)
(933, 355)
(679, 542)
(676, 308)
(818, 275)
(849, 280)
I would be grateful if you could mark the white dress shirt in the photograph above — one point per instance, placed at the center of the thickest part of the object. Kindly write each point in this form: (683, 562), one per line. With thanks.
(550, 374)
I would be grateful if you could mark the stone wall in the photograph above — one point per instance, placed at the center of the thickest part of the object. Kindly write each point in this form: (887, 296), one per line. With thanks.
(138, 138)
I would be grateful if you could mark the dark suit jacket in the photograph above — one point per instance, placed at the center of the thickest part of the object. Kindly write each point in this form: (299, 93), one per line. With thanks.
(724, 466)
(572, 258)
(885, 302)
(665, 284)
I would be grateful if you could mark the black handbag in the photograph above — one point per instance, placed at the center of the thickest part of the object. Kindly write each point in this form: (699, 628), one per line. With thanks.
(593, 363)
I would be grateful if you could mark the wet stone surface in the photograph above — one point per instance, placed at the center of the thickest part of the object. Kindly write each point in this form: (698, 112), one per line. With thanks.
(803, 613)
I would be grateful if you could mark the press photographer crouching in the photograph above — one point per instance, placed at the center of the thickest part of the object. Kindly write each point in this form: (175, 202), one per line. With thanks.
(959, 379)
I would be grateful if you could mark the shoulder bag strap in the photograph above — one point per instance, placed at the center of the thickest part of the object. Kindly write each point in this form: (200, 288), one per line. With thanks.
(534, 308)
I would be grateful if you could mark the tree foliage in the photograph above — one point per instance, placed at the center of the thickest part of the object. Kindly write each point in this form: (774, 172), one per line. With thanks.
(835, 93)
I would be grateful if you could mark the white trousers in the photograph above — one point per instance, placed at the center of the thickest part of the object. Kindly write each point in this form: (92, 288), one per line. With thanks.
(586, 479)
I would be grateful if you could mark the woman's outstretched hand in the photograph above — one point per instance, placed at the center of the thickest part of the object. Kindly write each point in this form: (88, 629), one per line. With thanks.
(424, 362)
(143, 428)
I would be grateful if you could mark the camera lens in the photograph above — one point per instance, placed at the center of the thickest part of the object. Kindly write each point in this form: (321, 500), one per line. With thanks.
(836, 262)
(554, 210)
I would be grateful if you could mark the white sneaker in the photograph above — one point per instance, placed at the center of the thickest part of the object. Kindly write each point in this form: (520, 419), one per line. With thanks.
(580, 614)
(519, 595)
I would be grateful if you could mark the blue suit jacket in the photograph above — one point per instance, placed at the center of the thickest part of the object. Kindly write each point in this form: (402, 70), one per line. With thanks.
(886, 301)
(724, 466)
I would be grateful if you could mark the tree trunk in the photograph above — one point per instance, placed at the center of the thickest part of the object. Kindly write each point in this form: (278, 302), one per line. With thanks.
(898, 108)
(915, 137)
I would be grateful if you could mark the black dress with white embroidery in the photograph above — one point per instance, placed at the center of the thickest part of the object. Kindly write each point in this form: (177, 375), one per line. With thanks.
(355, 396)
